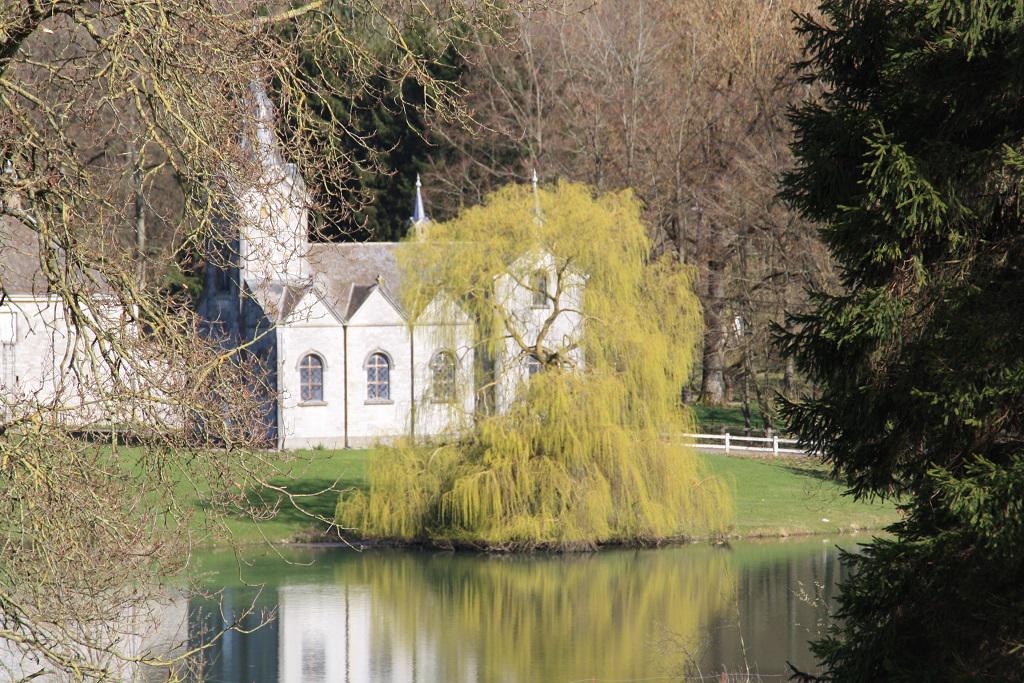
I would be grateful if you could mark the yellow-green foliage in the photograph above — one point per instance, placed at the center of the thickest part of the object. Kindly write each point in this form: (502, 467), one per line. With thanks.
(581, 454)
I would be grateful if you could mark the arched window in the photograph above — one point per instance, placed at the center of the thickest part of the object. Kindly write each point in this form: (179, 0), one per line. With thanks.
(442, 377)
(311, 377)
(378, 378)
(539, 285)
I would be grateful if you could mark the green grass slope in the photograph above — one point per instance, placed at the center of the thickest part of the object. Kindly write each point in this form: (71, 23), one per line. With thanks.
(787, 496)
(773, 497)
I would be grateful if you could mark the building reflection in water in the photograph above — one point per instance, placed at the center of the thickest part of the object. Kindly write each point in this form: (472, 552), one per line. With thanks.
(320, 633)
(124, 645)
(398, 617)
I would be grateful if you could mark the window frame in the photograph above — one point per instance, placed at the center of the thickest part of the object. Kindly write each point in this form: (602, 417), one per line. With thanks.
(374, 384)
(539, 289)
(450, 383)
(307, 395)
(533, 366)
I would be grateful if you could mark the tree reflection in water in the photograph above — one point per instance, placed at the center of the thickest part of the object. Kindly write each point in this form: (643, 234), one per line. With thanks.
(618, 614)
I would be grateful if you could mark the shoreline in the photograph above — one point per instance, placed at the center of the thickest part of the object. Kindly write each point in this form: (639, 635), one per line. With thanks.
(328, 541)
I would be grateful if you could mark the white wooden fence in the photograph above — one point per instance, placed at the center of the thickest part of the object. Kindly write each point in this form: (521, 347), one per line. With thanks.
(759, 444)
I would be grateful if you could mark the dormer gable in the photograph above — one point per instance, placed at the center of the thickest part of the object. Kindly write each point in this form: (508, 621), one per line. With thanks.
(309, 307)
(374, 305)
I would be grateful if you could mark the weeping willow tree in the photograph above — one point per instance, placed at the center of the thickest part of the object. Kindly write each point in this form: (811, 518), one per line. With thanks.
(581, 345)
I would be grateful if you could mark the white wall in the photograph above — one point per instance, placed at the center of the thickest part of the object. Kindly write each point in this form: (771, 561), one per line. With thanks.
(312, 328)
(432, 417)
(33, 339)
(274, 228)
(527, 320)
(37, 348)
(378, 327)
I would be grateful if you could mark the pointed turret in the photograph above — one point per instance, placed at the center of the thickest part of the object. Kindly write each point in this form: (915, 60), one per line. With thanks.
(419, 217)
(273, 204)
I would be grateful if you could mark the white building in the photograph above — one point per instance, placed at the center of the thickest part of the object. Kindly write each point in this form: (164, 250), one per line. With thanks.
(347, 365)
(343, 362)
(32, 334)
(38, 346)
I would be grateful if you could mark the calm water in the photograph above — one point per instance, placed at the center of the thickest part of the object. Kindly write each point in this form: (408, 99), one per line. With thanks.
(620, 615)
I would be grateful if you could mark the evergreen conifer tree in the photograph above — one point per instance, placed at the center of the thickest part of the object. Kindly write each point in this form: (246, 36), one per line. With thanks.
(912, 158)
(385, 110)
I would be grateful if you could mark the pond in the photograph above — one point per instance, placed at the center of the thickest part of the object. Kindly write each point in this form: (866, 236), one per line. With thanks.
(615, 615)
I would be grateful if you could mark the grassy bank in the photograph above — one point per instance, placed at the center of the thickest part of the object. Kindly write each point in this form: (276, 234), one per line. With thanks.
(773, 497)
(787, 496)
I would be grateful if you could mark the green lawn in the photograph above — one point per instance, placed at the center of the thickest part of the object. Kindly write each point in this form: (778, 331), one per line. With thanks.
(786, 496)
(309, 475)
(774, 497)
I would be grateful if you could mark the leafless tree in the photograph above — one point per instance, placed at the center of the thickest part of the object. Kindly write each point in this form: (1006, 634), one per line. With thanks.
(123, 129)
(686, 103)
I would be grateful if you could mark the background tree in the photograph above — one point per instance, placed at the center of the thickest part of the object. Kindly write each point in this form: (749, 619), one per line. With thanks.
(685, 103)
(913, 158)
(384, 108)
(117, 116)
(579, 453)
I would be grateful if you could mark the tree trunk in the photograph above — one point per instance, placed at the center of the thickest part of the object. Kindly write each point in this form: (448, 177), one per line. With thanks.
(730, 383)
(712, 382)
(788, 375)
(140, 215)
(763, 400)
(745, 398)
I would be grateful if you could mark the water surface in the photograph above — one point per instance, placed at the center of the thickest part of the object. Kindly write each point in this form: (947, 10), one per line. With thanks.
(616, 615)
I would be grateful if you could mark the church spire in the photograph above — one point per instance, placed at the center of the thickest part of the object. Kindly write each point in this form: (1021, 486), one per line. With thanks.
(419, 215)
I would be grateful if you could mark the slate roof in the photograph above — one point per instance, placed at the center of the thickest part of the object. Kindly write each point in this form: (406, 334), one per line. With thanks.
(19, 258)
(20, 272)
(349, 272)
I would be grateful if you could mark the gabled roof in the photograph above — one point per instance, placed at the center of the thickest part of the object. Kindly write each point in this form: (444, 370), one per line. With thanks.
(359, 263)
(279, 300)
(344, 276)
(360, 293)
(290, 299)
(20, 272)
(350, 271)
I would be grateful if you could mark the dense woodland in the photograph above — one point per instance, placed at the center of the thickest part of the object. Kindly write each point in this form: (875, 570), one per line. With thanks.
(684, 102)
